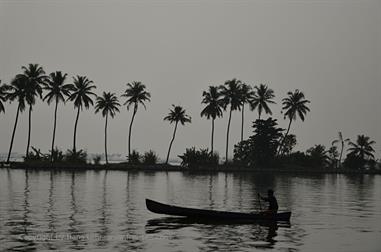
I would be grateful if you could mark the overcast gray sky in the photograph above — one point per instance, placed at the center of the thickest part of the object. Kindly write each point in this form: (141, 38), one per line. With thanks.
(331, 50)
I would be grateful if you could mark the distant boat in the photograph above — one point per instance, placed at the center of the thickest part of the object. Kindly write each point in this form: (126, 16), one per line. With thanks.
(161, 208)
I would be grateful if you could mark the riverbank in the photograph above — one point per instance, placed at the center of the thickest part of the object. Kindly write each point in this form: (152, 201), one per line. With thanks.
(124, 166)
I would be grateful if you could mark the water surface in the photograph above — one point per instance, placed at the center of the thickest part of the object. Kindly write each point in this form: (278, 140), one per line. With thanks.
(98, 210)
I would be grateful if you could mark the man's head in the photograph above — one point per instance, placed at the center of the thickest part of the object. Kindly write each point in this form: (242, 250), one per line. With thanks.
(270, 192)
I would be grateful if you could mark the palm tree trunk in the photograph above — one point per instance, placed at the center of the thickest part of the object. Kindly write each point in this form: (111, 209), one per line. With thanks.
(29, 130)
(75, 130)
(341, 153)
(130, 129)
(212, 140)
(284, 138)
(227, 136)
(170, 145)
(243, 115)
(13, 133)
(259, 115)
(106, 139)
(54, 131)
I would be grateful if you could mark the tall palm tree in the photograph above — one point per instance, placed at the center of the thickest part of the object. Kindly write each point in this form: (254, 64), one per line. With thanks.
(176, 115)
(16, 91)
(261, 98)
(109, 104)
(82, 98)
(57, 91)
(3, 96)
(295, 105)
(231, 94)
(342, 142)
(135, 94)
(34, 77)
(213, 109)
(363, 147)
(247, 94)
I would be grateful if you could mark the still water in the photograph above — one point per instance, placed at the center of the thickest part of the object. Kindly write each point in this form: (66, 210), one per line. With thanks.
(98, 210)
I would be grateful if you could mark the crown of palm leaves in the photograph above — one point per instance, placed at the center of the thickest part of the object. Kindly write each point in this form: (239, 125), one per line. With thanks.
(135, 94)
(82, 92)
(56, 87)
(295, 104)
(177, 114)
(108, 103)
(214, 103)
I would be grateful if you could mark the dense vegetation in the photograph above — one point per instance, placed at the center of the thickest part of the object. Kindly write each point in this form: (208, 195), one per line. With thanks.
(268, 146)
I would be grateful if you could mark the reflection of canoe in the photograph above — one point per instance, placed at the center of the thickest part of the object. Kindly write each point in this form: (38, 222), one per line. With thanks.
(161, 208)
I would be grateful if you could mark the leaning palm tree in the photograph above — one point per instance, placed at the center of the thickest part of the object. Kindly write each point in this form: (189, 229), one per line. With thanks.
(135, 94)
(232, 99)
(108, 104)
(176, 115)
(82, 98)
(34, 77)
(294, 105)
(262, 97)
(213, 109)
(362, 148)
(342, 142)
(16, 91)
(247, 94)
(57, 91)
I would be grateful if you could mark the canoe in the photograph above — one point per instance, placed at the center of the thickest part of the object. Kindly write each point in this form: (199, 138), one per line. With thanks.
(160, 208)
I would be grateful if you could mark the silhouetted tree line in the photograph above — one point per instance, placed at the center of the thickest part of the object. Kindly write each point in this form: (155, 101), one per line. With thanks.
(268, 145)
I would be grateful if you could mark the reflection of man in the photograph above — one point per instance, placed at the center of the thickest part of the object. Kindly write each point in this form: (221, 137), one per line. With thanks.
(273, 204)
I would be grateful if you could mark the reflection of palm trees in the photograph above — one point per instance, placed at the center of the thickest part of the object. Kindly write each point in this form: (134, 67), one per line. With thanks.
(211, 201)
(104, 231)
(73, 221)
(26, 223)
(52, 217)
(27, 244)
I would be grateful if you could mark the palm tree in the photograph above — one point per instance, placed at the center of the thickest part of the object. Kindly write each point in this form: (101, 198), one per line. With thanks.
(57, 91)
(295, 105)
(262, 96)
(176, 115)
(214, 107)
(34, 77)
(363, 147)
(109, 104)
(135, 94)
(16, 91)
(231, 95)
(342, 141)
(81, 97)
(3, 96)
(247, 94)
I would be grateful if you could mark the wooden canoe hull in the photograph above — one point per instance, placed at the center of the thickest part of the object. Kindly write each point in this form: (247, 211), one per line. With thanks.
(161, 208)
